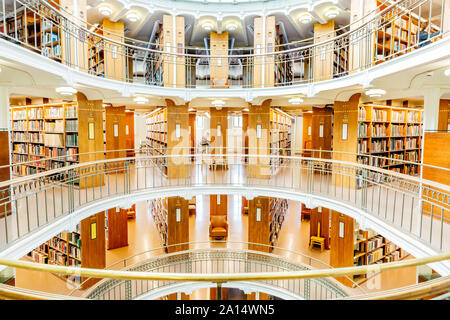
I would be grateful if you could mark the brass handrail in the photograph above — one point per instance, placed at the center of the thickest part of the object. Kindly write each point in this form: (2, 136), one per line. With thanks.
(222, 277)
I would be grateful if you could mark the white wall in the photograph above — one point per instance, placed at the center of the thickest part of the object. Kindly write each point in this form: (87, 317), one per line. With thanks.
(297, 133)
(140, 131)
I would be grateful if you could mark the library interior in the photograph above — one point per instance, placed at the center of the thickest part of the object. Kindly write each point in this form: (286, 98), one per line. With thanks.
(225, 150)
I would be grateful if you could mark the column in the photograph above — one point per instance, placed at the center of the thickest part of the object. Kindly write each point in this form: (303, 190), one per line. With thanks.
(258, 140)
(258, 223)
(218, 128)
(6, 273)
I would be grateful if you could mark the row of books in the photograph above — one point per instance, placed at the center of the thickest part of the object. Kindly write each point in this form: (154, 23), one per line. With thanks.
(54, 152)
(55, 126)
(71, 125)
(36, 149)
(412, 116)
(58, 243)
(374, 256)
(71, 154)
(413, 131)
(362, 146)
(379, 146)
(374, 243)
(35, 113)
(397, 116)
(18, 158)
(50, 165)
(379, 130)
(396, 156)
(55, 257)
(19, 114)
(71, 112)
(72, 140)
(54, 112)
(160, 126)
(379, 115)
(157, 136)
(20, 125)
(55, 140)
(49, 38)
(412, 143)
(36, 125)
(396, 144)
(20, 148)
(362, 130)
(412, 156)
(52, 51)
(397, 130)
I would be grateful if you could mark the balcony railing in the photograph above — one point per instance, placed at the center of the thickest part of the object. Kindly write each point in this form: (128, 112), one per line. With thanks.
(395, 30)
(415, 207)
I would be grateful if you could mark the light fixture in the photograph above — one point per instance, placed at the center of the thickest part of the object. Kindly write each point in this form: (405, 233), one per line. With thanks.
(104, 10)
(191, 109)
(207, 26)
(66, 91)
(305, 18)
(218, 103)
(332, 13)
(231, 26)
(295, 100)
(0, 69)
(133, 16)
(140, 100)
(446, 72)
(374, 93)
(246, 110)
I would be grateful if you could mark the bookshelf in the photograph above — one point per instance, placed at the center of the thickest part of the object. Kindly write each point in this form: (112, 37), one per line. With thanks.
(283, 64)
(156, 125)
(154, 61)
(359, 247)
(104, 60)
(340, 58)
(397, 32)
(158, 209)
(280, 136)
(277, 212)
(64, 249)
(393, 133)
(44, 131)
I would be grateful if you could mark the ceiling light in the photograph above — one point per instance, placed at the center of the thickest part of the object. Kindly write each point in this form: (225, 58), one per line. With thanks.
(332, 13)
(231, 26)
(66, 91)
(207, 26)
(375, 92)
(106, 11)
(218, 104)
(305, 18)
(446, 72)
(0, 69)
(246, 110)
(295, 100)
(133, 17)
(191, 109)
(140, 100)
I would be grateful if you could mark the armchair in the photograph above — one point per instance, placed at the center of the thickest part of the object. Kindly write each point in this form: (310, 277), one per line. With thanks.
(218, 227)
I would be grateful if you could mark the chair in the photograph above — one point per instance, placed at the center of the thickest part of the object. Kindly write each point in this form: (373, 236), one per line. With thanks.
(305, 212)
(317, 240)
(218, 227)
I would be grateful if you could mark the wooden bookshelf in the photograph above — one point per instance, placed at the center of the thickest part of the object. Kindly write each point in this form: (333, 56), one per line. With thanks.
(156, 125)
(393, 133)
(64, 250)
(154, 66)
(358, 247)
(280, 136)
(283, 67)
(44, 131)
(277, 212)
(103, 61)
(396, 34)
(264, 43)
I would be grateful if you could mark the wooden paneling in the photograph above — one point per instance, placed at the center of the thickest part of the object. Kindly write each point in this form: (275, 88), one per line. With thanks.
(115, 117)
(321, 215)
(218, 208)
(323, 60)
(219, 66)
(171, 62)
(4, 172)
(114, 59)
(444, 114)
(245, 131)
(307, 138)
(181, 68)
(259, 115)
(213, 294)
(93, 252)
(177, 115)
(261, 42)
(258, 231)
(178, 231)
(322, 117)
(341, 252)
(435, 154)
(90, 111)
(129, 132)
(345, 112)
(117, 228)
(192, 116)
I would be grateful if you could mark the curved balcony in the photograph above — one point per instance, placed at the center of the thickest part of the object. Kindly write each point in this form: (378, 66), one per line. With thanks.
(211, 258)
(411, 212)
(365, 46)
